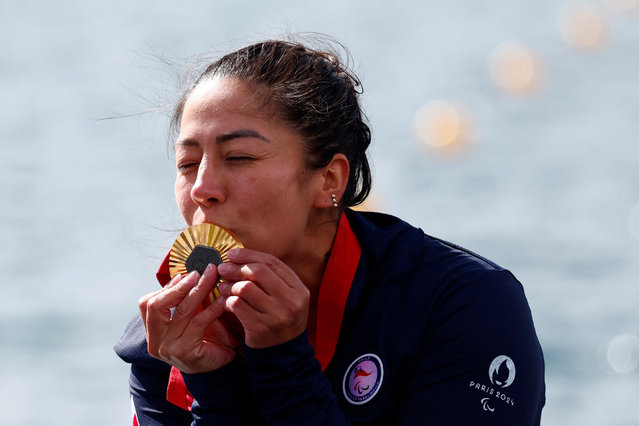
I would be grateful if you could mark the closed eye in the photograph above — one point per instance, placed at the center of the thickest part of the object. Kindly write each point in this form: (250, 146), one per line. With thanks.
(185, 168)
(239, 159)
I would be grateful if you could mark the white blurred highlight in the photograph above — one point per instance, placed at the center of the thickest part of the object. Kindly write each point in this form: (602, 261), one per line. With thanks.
(624, 5)
(621, 353)
(582, 26)
(442, 126)
(514, 67)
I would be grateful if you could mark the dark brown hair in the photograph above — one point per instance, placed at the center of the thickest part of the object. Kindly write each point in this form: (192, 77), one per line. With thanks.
(312, 91)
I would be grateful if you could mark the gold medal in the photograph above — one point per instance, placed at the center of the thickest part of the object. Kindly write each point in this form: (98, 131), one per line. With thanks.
(199, 245)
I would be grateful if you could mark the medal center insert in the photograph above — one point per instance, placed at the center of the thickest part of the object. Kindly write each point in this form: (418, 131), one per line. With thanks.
(200, 257)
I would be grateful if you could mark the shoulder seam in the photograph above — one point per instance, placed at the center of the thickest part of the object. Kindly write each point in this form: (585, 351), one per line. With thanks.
(471, 253)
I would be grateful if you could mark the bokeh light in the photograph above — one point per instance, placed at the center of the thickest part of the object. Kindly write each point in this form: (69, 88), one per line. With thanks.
(582, 26)
(514, 67)
(442, 126)
(622, 353)
(624, 5)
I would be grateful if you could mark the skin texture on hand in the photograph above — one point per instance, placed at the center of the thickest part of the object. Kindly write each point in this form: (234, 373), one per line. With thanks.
(262, 292)
(268, 298)
(182, 334)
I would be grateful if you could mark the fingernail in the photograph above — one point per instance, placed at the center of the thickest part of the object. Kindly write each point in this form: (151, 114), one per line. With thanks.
(222, 267)
(233, 252)
(222, 286)
(209, 269)
(173, 281)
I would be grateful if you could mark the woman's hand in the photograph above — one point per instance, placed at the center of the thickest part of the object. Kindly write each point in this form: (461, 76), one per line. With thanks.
(178, 333)
(266, 296)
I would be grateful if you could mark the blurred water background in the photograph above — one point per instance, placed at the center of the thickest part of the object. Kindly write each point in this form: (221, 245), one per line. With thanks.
(529, 157)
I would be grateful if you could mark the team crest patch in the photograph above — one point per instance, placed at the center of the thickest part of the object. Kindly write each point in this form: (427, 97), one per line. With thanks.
(363, 379)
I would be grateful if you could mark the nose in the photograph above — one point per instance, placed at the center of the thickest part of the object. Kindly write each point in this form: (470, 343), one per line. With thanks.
(208, 188)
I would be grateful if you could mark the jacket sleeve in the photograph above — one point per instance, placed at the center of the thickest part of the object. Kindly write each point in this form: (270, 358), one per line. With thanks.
(481, 362)
(289, 387)
(148, 390)
(220, 396)
(148, 380)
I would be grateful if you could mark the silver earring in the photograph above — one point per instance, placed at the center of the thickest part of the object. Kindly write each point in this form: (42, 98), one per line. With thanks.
(334, 199)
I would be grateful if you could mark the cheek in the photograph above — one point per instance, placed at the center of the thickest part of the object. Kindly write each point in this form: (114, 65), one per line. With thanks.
(275, 190)
(291, 199)
(183, 198)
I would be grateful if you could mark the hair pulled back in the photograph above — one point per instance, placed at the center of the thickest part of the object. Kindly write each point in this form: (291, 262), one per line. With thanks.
(314, 93)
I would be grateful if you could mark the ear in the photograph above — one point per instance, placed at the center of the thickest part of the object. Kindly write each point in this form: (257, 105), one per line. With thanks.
(334, 178)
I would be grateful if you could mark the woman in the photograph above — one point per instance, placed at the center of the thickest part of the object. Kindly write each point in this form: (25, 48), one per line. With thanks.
(343, 317)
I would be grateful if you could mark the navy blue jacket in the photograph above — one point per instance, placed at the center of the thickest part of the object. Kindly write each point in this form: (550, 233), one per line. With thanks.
(432, 334)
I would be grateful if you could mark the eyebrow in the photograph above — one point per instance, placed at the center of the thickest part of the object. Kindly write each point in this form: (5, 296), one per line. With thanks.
(236, 134)
(243, 133)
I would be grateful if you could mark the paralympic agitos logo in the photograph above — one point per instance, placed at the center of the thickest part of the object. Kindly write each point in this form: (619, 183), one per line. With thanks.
(501, 374)
(363, 379)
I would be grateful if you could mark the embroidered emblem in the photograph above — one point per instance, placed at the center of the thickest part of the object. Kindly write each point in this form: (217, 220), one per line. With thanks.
(363, 379)
(484, 403)
(501, 374)
(502, 371)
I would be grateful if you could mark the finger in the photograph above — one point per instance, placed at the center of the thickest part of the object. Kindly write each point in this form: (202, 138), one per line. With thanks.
(188, 307)
(259, 330)
(263, 290)
(187, 310)
(252, 294)
(272, 274)
(259, 273)
(250, 291)
(203, 320)
(167, 298)
(245, 313)
(158, 310)
(257, 276)
(244, 256)
(224, 287)
(176, 279)
(143, 301)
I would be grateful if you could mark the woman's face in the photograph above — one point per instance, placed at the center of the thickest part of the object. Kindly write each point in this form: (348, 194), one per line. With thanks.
(240, 167)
